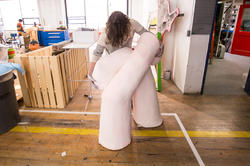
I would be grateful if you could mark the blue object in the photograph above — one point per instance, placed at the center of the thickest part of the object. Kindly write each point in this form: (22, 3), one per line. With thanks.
(13, 35)
(47, 38)
(225, 30)
(7, 67)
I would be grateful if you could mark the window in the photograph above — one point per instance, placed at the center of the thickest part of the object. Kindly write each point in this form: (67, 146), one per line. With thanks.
(29, 11)
(245, 23)
(76, 13)
(1, 20)
(115, 5)
(26, 9)
(96, 13)
(10, 20)
(92, 13)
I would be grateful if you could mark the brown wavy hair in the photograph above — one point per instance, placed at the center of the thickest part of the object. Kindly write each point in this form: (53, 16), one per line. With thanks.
(117, 29)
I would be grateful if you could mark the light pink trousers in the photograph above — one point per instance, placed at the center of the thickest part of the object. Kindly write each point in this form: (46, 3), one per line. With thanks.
(125, 75)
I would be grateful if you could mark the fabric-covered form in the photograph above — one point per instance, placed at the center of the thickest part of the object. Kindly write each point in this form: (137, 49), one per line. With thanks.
(124, 75)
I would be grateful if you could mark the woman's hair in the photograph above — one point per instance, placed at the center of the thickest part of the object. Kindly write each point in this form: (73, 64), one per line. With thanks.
(117, 29)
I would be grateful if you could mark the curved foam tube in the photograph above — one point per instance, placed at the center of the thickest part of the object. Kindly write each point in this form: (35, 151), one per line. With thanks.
(121, 75)
(145, 103)
(106, 67)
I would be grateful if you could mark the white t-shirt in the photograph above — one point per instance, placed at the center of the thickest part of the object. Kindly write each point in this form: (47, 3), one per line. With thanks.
(136, 27)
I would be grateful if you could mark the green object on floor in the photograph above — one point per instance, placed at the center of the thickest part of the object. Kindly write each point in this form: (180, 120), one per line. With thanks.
(159, 35)
(159, 88)
(159, 77)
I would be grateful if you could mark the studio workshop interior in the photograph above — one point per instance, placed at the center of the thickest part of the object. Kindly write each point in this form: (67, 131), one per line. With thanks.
(124, 82)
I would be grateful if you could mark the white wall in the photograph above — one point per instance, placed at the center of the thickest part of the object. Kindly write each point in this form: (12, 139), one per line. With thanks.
(137, 10)
(196, 63)
(141, 9)
(51, 12)
(177, 43)
(169, 45)
(185, 56)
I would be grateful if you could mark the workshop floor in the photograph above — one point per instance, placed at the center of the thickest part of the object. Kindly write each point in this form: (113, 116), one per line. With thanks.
(219, 128)
(225, 76)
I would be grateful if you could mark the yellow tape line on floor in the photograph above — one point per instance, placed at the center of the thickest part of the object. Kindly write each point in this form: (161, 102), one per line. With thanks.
(137, 133)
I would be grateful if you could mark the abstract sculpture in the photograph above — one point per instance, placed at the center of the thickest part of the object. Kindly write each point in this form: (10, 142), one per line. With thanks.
(123, 75)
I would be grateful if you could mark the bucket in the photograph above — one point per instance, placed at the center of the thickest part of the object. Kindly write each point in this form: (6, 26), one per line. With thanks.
(11, 53)
(9, 116)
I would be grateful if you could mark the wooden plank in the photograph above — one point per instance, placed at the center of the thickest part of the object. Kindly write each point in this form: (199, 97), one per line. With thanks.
(43, 84)
(61, 57)
(73, 69)
(50, 50)
(78, 67)
(46, 51)
(48, 77)
(67, 72)
(36, 82)
(29, 82)
(84, 65)
(70, 73)
(22, 81)
(57, 78)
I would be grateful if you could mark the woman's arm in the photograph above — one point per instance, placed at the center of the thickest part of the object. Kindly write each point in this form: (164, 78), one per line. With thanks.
(91, 68)
(95, 57)
(137, 27)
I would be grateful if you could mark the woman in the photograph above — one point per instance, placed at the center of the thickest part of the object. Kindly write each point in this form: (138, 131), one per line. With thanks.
(119, 33)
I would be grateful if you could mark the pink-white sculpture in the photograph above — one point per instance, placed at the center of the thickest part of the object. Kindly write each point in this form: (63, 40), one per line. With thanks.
(125, 75)
(166, 17)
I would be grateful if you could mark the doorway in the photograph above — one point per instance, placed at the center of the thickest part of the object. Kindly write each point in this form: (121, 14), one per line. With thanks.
(227, 70)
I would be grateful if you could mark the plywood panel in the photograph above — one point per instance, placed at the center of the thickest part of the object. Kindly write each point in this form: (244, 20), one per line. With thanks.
(29, 82)
(48, 77)
(22, 81)
(61, 56)
(43, 84)
(36, 82)
(57, 82)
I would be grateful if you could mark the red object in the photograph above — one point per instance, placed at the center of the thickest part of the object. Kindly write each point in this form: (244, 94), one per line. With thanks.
(241, 40)
(11, 52)
(212, 44)
(34, 46)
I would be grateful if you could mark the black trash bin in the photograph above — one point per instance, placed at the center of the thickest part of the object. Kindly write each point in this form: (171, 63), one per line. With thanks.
(9, 116)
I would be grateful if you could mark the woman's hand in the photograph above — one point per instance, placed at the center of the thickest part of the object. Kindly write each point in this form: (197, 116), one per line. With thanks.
(160, 51)
(158, 55)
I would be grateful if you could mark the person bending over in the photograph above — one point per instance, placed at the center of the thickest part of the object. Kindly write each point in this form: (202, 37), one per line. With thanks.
(119, 33)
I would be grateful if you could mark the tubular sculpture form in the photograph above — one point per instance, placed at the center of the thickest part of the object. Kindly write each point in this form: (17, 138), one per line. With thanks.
(123, 76)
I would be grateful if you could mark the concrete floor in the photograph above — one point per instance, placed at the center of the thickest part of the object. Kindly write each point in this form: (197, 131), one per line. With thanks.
(219, 128)
(224, 76)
